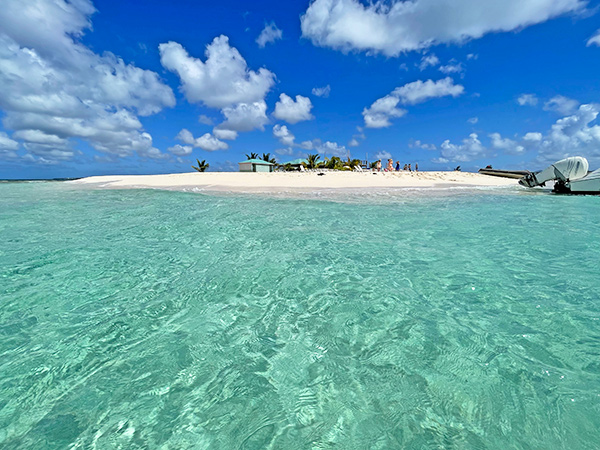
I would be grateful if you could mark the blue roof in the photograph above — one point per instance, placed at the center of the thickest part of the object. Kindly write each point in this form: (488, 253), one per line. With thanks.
(295, 162)
(256, 161)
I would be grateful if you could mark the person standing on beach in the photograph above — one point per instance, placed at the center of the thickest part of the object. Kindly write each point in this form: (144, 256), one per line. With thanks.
(409, 169)
(397, 166)
(390, 166)
(416, 167)
(378, 166)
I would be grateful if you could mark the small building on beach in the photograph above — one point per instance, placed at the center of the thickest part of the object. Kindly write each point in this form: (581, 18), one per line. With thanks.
(256, 165)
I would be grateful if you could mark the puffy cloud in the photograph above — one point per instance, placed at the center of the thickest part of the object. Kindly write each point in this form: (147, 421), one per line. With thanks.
(419, 144)
(506, 145)
(307, 145)
(222, 80)
(181, 150)
(284, 135)
(428, 60)
(378, 115)
(54, 88)
(383, 155)
(473, 120)
(228, 135)
(332, 149)
(594, 40)
(396, 27)
(322, 91)
(203, 119)
(527, 99)
(573, 135)
(245, 116)
(532, 137)
(270, 33)
(452, 68)
(206, 142)
(353, 143)
(420, 91)
(293, 111)
(562, 105)
(470, 149)
(210, 143)
(285, 151)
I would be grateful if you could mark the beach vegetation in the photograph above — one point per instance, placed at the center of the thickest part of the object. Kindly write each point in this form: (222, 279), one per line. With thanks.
(313, 161)
(337, 163)
(268, 158)
(202, 166)
(252, 155)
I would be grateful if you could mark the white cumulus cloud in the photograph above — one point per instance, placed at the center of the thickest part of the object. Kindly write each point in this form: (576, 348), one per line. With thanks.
(284, 135)
(383, 155)
(427, 61)
(181, 150)
(561, 104)
(228, 135)
(378, 115)
(398, 26)
(222, 80)
(331, 149)
(269, 34)
(206, 142)
(452, 68)
(573, 135)
(245, 116)
(293, 111)
(527, 99)
(532, 137)
(419, 144)
(420, 91)
(471, 148)
(55, 89)
(506, 145)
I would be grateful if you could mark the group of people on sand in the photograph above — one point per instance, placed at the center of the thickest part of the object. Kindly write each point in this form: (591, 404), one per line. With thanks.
(390, 166)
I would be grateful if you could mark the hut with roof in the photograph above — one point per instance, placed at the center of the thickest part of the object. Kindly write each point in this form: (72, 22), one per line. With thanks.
(256, 165)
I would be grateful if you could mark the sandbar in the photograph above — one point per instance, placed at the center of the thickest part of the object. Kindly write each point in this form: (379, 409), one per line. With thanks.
(291, 181)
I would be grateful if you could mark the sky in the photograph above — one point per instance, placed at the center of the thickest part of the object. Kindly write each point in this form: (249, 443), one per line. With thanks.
(144, 87)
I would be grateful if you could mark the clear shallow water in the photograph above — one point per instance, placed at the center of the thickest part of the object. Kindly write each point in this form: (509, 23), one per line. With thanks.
(149, 319)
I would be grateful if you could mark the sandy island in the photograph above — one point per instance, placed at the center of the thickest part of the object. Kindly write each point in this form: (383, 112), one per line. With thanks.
(269, 182)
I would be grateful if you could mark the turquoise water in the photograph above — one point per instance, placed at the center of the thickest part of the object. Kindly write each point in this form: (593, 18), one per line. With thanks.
(147, 319)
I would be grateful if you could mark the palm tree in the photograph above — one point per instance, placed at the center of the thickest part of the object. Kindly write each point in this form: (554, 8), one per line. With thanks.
(313, 161)
(267, 157)
(202, 166)
(252, 155)
(332, 163)
(352, 163)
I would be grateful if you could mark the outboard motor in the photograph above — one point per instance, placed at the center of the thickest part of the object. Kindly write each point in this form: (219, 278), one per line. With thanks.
(565, 170)
(530, 180)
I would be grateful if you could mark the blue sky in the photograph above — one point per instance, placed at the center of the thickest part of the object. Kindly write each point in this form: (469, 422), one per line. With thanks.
(149, 86)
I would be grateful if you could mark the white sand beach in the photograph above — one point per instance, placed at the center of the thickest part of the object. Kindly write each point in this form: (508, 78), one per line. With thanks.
(268, 182)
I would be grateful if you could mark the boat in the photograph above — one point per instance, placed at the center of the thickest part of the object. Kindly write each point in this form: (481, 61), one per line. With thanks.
(517, 174)
(571, 176)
